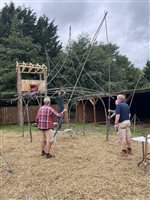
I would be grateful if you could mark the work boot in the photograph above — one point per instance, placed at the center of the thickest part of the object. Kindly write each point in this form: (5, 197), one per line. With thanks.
(43, 153)
(129, 151)
(48, 155)
(123, 153)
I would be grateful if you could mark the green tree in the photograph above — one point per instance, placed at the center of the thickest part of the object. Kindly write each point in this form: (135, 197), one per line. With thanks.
(45, 34)
(104, 65)
(6, 15)
(15, 48)
(25, 16)
(147, 71)
(19, 41)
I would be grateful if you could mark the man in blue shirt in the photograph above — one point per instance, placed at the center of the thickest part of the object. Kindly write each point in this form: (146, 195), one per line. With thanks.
(122, 124)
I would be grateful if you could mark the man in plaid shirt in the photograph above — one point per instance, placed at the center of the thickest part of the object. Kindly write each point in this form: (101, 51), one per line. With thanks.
(45, 126)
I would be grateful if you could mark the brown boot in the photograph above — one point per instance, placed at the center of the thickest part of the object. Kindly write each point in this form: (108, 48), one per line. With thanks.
(43, 153)
(123, 153)
(48, 155)
(129, 151)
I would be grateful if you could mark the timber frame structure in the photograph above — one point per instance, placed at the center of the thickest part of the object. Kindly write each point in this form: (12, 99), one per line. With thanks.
(24, 86)
(94, 108)
(91, 108)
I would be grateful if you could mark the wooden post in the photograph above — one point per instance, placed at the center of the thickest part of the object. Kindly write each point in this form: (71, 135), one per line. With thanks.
(45, 80)
(145, 156)
(66, 114)
(40, 95)
(29, 68)
(76, 110)
(83, 111)
(19, 103)
(94, 109)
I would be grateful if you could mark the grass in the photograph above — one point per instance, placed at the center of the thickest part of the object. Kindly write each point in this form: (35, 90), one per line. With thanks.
(83, 128)
(15, 128)
(140, 130)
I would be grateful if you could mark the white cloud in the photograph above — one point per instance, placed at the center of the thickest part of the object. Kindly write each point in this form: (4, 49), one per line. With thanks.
(128, 22)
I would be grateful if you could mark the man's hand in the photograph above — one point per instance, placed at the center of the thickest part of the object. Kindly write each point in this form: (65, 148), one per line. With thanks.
(64, 110)
(116, 125)
(109, 110)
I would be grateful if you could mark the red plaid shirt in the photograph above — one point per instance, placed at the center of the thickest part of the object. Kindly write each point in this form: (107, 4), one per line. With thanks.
(44, 117)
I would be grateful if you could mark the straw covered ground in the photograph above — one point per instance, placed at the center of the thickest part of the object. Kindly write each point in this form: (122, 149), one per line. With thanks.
(85, 167)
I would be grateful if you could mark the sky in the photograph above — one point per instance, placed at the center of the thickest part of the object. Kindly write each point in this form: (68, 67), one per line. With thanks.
(128, 22)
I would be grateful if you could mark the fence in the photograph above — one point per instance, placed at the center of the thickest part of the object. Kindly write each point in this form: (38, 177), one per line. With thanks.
(9, 115)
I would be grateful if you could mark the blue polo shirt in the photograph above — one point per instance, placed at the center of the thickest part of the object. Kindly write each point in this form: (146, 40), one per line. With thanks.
(122, 108)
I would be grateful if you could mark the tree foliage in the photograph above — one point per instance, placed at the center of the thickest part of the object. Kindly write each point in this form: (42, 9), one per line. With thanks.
(101, 67)
(147, 71)
(23, 39)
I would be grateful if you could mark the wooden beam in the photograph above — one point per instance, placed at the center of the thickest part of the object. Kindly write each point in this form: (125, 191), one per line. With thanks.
(19, 103)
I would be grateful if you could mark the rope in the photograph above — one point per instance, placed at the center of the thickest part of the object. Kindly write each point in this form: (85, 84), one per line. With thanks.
(55, 67)
(9, 167)
(88, 74)
(71, 54)
(29, 125)
(57, 71)
(135, 89)
(93, 40)
(108, 118)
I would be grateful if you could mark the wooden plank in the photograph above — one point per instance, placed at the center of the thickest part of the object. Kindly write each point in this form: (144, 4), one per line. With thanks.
(25, 85)
(30, 68)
